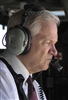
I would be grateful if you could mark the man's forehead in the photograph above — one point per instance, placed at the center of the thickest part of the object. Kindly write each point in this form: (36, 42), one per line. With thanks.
(47, 37)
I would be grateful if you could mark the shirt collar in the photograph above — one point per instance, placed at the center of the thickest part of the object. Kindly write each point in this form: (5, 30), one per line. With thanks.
(16, 64)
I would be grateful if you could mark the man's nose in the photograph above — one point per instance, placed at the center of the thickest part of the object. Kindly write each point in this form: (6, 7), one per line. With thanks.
(53, 50)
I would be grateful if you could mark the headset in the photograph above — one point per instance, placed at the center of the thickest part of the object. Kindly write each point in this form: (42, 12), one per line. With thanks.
(18, 38)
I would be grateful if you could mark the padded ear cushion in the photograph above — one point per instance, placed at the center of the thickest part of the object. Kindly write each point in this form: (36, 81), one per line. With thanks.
(18, 40)
(27, 48)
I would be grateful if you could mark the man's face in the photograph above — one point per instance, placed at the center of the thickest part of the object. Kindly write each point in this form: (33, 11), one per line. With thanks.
(43, 47)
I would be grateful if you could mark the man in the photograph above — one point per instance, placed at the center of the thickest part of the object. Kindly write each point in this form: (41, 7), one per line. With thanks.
(42, 27)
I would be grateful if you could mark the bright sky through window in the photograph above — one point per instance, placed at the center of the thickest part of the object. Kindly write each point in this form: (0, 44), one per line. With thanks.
(2, 33)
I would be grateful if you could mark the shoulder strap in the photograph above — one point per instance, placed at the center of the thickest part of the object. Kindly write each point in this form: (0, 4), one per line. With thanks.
(21, 93)
(9, 67)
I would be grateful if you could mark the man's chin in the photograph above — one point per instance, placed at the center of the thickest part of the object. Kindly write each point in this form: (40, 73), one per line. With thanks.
(46, 67)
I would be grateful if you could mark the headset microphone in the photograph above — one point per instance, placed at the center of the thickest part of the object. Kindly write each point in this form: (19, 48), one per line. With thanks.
(55, 64)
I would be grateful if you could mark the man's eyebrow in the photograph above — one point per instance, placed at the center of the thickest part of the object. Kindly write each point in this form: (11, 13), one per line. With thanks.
(50, 40)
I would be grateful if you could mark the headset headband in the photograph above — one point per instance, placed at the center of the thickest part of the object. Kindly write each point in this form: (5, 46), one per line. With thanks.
(33, 7)
(28, 8)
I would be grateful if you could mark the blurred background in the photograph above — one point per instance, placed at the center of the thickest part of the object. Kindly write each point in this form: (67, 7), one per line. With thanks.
(55, 83)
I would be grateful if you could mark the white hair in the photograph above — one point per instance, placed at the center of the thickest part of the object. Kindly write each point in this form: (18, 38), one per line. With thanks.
(33, 20)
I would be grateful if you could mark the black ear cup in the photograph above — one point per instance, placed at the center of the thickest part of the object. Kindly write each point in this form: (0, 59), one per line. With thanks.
(18, 40)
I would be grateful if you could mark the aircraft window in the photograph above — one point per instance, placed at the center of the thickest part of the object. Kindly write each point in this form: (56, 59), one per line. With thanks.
(58, 13)
(2, 33)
